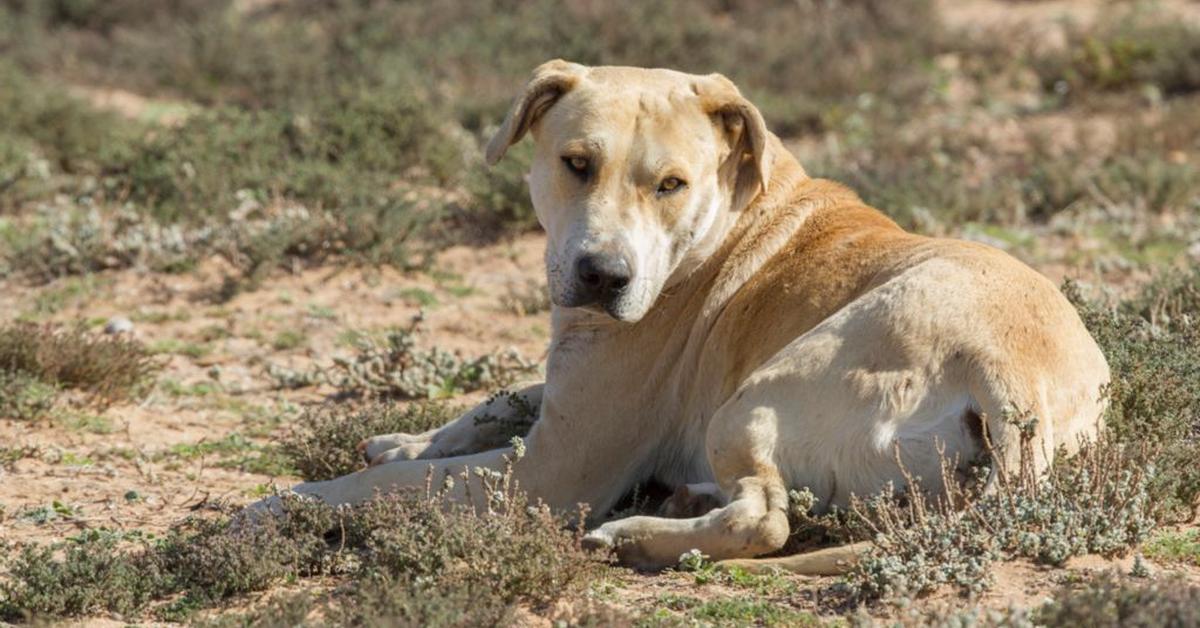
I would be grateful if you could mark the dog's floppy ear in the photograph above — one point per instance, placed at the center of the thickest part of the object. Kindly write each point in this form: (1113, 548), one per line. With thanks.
(749, 160)
(550, 81)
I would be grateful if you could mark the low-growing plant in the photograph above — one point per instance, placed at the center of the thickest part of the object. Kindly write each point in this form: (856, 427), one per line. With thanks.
(92, 576)
(35, 359)
(1170, 301)
(1097, 502)
(212, 560)
(1131, 48)
(324, 444)
(1182, 546)
(288, 339)
(394, 367)
(516, 550)
(25, 397)
(237, 452)
(409, 558)
(1154, 396)
(500, 196)
(1109, 601)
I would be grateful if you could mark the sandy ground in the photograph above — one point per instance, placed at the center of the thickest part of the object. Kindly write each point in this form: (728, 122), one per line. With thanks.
(89, 465)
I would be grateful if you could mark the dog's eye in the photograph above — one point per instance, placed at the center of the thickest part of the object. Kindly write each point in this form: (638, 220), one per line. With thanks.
(577, 165)
(670, 184)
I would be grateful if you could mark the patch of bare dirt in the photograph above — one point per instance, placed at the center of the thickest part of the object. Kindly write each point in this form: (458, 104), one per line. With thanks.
(144, 465)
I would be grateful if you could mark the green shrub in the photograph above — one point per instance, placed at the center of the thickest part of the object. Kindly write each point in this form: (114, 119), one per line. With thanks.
(1128, 49)
(951, 171)
(1170, 301)
(500, 196)
(1154, 396)
(1178, 546)
(394, 367)
(1098, 502)
(93, 575)
(325, 445)
(107, 368)
(25, 397)
(345, 153)
(517, 552)
(1113, 602)
(44, 122)
(406, 558)
(213, 560)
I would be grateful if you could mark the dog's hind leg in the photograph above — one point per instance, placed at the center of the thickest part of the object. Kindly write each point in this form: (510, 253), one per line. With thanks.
(486, 426)
(740, 441)
(830, 561)
(754, 522)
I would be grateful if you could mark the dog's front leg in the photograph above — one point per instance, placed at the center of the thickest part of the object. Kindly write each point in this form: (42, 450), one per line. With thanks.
(487, 426)
(361, 486)
(560, 467)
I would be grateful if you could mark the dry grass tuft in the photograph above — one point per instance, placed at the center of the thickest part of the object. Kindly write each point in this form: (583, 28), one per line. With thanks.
(36, 360)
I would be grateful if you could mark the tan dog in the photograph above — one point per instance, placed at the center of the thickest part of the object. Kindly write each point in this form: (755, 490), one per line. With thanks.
(725, 323)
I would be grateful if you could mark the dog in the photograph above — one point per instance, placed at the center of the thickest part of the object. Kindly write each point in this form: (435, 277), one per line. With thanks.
(730, 327)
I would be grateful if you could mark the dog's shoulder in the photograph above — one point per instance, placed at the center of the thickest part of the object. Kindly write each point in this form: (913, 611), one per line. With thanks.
(833, 256)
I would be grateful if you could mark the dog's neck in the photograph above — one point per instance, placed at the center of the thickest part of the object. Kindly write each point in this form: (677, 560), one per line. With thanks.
(760, 230)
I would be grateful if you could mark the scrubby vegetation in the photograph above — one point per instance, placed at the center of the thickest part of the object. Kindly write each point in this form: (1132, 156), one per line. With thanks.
(393, 367)
(325, 443)
(36, 361)
(1110, 601)
(408, 560)
(1098, 503)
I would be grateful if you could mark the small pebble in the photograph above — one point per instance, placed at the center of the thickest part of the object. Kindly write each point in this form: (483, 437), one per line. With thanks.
(118, 325)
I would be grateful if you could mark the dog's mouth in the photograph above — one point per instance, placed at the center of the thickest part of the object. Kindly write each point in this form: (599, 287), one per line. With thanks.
(608, 307)
(618, 307)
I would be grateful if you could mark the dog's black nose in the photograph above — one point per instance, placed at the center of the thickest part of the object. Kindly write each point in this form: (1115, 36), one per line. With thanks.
(601, 277)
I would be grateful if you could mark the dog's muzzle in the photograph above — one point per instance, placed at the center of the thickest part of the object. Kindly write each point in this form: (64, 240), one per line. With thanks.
(600, 279)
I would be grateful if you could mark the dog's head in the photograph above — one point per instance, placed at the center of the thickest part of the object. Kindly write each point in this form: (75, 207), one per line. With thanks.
(635, 176)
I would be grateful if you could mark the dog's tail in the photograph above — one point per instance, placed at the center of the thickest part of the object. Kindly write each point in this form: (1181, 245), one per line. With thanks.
(831, 561)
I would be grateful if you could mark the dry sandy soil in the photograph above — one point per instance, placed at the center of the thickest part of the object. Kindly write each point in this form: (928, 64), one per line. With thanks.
(222, 388)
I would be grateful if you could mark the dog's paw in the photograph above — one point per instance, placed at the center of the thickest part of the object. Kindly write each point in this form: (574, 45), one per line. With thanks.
(276, 505)
(630, 550)
(598, 540)
(268, 508)
(375, 446)
(412, 451)
(692, 500)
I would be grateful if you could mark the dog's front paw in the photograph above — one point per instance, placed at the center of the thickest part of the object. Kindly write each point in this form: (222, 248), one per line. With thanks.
(276, 505)
(268, 508)
(692, 500)
(629, 548)
(375, 446)
(414, 451)
(598, 540)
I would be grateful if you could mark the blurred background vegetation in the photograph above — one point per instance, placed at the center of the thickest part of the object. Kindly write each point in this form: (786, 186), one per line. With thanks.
(136, 133)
